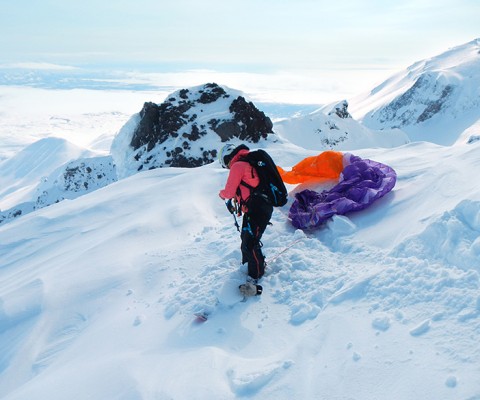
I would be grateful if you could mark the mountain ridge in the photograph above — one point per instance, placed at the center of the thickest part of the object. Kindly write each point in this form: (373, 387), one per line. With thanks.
(421, 98)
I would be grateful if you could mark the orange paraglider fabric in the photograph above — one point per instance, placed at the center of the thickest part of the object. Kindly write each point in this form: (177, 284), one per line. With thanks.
(323, 167)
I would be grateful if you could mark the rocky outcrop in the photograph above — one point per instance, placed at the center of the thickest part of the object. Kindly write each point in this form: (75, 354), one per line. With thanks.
(72, 180)
(75, 179)
(188, 127)
(341, 110)
(426, 98)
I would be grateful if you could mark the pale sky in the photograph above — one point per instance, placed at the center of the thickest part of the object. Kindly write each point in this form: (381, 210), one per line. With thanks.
(243, 36)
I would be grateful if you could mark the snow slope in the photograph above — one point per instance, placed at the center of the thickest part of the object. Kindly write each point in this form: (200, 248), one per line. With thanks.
(435, 99)
(48, 171)
(98, 293)
(22, 172)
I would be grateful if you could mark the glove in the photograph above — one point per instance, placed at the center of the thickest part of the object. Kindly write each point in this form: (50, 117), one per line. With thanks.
(230, 206)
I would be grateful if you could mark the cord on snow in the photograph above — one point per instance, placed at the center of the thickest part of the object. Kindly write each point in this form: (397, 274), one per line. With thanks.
(289, 246)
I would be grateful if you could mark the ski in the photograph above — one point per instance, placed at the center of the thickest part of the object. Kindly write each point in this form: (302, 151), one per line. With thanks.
(201, 316)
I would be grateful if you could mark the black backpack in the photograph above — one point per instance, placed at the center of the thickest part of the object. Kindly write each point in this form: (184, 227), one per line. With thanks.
(271, 185)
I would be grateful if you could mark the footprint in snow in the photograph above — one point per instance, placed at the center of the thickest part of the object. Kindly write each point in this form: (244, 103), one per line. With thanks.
(421, 329)
(252, 382)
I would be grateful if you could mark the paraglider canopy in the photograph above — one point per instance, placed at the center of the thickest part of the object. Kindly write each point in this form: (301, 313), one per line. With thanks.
(325, 166)
(360, 183)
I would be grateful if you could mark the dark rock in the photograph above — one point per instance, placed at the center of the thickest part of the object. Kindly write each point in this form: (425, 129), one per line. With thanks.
(212, 93)
(421, 102)
(155, 139)
(341, 110)
(433, 107)
(254, 124)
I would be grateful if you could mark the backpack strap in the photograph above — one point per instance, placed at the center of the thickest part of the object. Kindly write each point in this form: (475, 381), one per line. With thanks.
(254, 192)
(242, 182)
(239, 193)
(247, 185)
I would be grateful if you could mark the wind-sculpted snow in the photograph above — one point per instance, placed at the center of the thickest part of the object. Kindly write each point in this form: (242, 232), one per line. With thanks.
(110, 282)
(457, 237)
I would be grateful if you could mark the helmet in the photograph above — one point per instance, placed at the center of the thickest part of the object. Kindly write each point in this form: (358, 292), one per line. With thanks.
(226, 154)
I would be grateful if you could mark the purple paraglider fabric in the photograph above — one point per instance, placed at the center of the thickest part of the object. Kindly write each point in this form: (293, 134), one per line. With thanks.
(361, 182)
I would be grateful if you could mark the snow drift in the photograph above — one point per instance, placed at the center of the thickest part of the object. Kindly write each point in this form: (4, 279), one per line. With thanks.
(98, 293)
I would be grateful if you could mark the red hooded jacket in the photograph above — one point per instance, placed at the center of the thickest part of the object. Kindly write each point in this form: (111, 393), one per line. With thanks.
(239, 171)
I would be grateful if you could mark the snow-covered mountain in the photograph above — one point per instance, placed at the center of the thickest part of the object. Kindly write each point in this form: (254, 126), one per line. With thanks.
(97, 293)
(435, 99)
(187, 129)
(333, 128)
(47, 172)
(21, 173)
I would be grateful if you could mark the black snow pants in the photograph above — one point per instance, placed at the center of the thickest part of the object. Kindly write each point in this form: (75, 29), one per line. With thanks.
(255, 221)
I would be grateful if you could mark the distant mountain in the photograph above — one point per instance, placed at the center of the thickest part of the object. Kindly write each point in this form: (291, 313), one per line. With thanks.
(333, 128)
(47, 172)
(187, 129)
(22, 173)
(434, 99)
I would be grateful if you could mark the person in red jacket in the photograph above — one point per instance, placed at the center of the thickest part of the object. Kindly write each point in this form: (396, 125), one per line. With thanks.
(257, 211)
